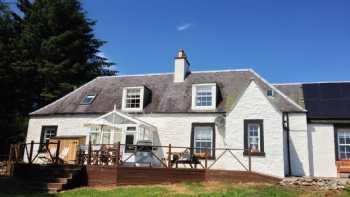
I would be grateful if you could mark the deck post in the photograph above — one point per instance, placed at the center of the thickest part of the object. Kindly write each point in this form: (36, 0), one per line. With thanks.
(9, 162)
(117, 155)
(89, 154)
(10, 153)
(16, 152)
(206, 161)
(57, 151)
(169, 156)
(31, 151)
(250, 160)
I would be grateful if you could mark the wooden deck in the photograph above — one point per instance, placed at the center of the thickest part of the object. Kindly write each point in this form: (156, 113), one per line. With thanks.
(106, 166)
(99, 175)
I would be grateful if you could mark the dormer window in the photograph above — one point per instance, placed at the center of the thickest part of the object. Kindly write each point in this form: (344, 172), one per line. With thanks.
(88, 99)
(133, 98)
(204, 96)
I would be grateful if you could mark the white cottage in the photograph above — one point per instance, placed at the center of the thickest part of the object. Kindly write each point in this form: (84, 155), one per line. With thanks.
(292, 129)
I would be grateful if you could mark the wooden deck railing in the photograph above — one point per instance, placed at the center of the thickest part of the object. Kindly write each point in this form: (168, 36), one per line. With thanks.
(166, 156)
(33, 152)
(114, 155)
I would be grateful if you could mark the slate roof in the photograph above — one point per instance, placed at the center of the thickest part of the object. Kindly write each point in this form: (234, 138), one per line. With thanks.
(327, 100)
(167, 96)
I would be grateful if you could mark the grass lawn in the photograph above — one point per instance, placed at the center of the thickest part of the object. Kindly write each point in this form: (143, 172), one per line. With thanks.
(189, 189)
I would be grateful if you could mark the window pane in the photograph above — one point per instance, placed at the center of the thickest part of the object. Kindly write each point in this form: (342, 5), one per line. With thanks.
(203, 139)
(203, 133)
(347, 140)
(49, 132)
(342, 149)
(342, 156)
(204, 96)
(105, 138)
(341, 140)
(117, 136)
(88, 99)
(131, 128)
(95, 138)
(133, 98)
(254, 136)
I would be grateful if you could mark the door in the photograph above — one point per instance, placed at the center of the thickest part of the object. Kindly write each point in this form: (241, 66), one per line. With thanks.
(129, 140)
(68, 148)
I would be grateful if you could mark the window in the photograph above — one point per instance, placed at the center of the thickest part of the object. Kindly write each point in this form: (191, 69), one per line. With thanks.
(204, 96)
(88, 99)
(254, 137)
(106, 137)
(343, 144)
(203, 138)
(47, 132)
(270, 93)
(133, 98)
(95, 138)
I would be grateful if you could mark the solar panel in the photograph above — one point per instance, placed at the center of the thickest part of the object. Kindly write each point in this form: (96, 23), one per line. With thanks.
(327, 100)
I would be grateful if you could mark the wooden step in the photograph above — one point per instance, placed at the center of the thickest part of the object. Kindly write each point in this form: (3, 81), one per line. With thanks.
(52, 179)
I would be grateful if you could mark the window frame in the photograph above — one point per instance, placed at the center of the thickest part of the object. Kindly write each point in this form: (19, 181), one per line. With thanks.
(259, 122)
(112, 135)
(213, 99)
(212, 125)
(270, 91)
(140, 108)
(42, 134)
(92, 100)
(338, 127)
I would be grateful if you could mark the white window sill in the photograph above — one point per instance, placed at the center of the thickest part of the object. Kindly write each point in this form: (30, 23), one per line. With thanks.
(132, 109)
(203, 108)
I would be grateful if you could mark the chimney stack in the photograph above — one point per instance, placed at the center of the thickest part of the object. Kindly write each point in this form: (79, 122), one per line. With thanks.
(181, 67)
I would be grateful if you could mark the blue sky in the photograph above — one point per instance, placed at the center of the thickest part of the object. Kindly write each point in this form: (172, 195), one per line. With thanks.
(284, 41)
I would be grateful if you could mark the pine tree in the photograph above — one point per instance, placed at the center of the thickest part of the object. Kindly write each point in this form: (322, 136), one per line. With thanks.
(58, 47)
(46, 51)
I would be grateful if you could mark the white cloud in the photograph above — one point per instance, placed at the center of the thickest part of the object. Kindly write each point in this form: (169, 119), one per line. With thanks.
(184, 27)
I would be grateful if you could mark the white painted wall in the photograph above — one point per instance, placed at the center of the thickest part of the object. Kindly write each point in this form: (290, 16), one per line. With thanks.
(254, 105)
(299, 150)
(175, 129)
(66, 125)
(322, 154)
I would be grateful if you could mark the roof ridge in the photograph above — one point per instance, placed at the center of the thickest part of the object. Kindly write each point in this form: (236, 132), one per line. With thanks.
(170, 73)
